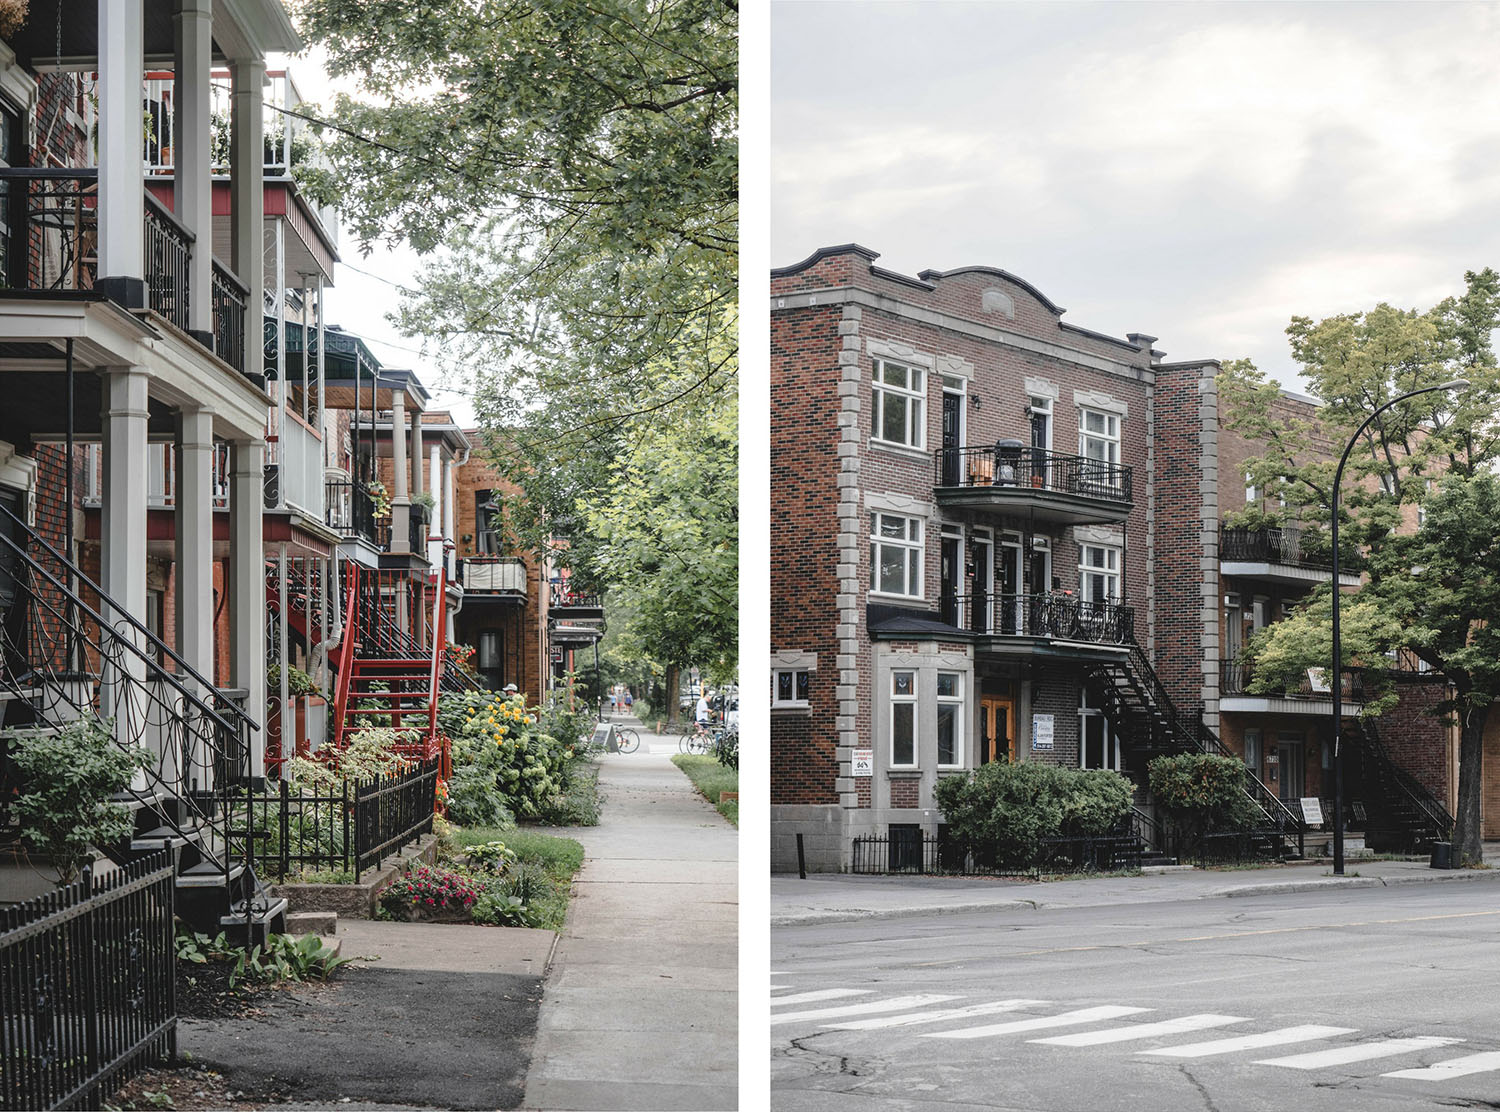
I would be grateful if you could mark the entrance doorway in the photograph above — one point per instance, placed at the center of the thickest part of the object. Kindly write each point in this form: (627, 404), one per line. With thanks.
(1293, 770)
(997, 735)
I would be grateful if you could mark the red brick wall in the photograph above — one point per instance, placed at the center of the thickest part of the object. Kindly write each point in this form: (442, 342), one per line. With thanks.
(1416, 740)
(804, 544)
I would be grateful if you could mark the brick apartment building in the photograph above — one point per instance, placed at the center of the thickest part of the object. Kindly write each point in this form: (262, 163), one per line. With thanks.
(998, 537)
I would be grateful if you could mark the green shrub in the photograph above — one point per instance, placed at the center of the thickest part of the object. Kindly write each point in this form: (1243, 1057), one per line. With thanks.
(1003, 811)
(505, 757)
(283, 958)
(66, 779)
(1201, 792)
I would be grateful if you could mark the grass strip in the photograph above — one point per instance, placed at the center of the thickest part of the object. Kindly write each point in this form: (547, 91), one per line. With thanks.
(712, 779)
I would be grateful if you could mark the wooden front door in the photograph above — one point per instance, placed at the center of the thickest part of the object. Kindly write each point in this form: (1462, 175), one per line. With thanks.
(997, 729)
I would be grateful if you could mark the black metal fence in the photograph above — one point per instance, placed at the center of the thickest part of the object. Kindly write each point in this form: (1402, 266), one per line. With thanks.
(229, 295)
(915, 853)
(86, 987)
(1058, 615)
(1012, 464)
(348, 827)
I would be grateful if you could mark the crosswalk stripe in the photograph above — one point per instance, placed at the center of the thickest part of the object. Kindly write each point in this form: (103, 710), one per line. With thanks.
(1359, 1052)
(1279, 1037)
(911, 1018)
(1144, 1030)
(1453, 1067)
(1066, 1019)
(821, 994)
(894, 1004)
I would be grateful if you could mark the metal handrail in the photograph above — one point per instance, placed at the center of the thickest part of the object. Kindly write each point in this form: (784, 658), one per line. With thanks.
(1056, 615)
(1014, 465)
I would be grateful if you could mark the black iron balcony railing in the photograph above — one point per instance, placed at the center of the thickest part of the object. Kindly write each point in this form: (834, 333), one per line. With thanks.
(560, 598)
(1057, 615)
(1012, 464)
(1236, 673)
(49, 239)
(229, 295)
(168, 247)
(348, 509)
(417, 529)
(1279, 545)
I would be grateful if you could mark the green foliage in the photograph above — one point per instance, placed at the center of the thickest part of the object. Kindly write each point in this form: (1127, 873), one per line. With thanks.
(1004, 810)
(711, 779)
(298, 682)
(62, 808)
(1202, 792)
(368, 755)
(283, 958)
(573, 170)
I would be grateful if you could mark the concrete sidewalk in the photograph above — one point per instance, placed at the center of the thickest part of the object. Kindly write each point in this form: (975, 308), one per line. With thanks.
(641, 1008)
(835, 898)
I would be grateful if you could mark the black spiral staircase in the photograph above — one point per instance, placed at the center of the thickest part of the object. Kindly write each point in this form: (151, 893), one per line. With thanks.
(1400, 814)
(70, 654)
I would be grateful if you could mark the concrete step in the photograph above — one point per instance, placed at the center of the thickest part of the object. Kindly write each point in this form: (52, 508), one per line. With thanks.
(325, 923)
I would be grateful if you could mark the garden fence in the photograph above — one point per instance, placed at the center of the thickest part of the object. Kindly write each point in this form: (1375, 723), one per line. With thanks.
(87, 994)
(913, 852)
(345, 828)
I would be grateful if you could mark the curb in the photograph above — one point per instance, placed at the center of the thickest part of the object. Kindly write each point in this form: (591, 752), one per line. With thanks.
(1287, 887)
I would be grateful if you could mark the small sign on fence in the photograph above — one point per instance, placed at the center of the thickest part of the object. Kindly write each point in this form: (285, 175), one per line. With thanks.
(1041, 732)
(1312, 811)
(863, 763)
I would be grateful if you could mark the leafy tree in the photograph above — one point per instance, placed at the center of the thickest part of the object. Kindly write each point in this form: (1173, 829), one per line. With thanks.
(1419, 501)
(572, 170)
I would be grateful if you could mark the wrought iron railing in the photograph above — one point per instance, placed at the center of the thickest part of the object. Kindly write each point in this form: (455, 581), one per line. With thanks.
(74, 654)
(417, 529)
(560, 597)
(168, 247)
(1412, 791)
(1280, 544)
(87, 986)
(349, 509)
(391, 616)
(1057, 615)
(1237, 673)
(349, 827)
(229, 295)
(1013, 465)
(919, 853)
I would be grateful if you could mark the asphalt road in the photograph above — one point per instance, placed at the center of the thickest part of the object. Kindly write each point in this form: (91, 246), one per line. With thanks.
(1364, 999)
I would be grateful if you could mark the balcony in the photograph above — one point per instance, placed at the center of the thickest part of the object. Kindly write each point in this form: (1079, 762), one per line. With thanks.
(52, 239)
(1307, 692)
(348, 509)
(161, 476)
(1011, 478)
(570, 604)
(1276, 555)
(294, 468)
(1056, 624)
(492, 575)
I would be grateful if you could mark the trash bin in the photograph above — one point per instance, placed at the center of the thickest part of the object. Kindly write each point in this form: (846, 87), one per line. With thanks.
(1442, 855)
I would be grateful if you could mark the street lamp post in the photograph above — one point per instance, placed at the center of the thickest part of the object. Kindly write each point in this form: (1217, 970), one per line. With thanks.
(1338, 667)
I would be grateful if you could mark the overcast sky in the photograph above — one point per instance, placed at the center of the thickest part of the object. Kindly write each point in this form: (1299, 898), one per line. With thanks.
(1196, 171)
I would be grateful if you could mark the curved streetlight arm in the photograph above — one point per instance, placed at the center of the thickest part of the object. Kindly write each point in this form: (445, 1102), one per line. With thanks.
(1338, 664)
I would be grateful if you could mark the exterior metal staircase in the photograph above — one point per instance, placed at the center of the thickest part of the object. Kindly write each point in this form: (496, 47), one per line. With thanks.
(1401, 815)
(71, 654)
(1140, 709)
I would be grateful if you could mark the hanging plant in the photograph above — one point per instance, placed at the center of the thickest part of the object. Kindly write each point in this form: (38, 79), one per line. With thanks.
(380, 499)
(12, 16)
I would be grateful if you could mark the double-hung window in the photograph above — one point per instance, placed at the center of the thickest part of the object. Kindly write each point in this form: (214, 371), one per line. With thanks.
(896, 554)
(1099, 573)
(1099, 445)
(897, 393)
(903, 719)
(950, 717)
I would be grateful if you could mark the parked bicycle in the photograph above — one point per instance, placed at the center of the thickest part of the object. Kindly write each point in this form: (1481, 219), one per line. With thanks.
(701, 740)
(627, 739)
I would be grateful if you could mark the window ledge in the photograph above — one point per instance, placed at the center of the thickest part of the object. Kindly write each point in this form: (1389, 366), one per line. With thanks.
(792, 710)
(897, 449)
(903, 773)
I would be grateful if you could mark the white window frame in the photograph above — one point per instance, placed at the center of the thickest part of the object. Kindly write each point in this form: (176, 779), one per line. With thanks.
(1109, 440)
(912, 542)
(794, 703)
(914, 396)
(960, 718)
(1113, 750)
(1086, 569)
(1251, 746)
(898, 701)
(1251, 493)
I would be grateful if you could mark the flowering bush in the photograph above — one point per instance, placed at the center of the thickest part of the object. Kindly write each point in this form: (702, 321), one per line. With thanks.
(500, 757)
(427, 891)
(460, 657)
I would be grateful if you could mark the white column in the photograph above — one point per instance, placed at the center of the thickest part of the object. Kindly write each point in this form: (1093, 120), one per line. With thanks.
(192, 184)
(449, 514)
(122, 189)
(122, 520)
(247, 197)
(400, 499)
(247, 591)
(417, 485)
(322, 380)
(439, 506)
(195, 539)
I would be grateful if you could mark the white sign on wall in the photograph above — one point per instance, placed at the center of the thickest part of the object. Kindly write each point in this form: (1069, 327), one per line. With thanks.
(1041, 731)
(863, 763)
